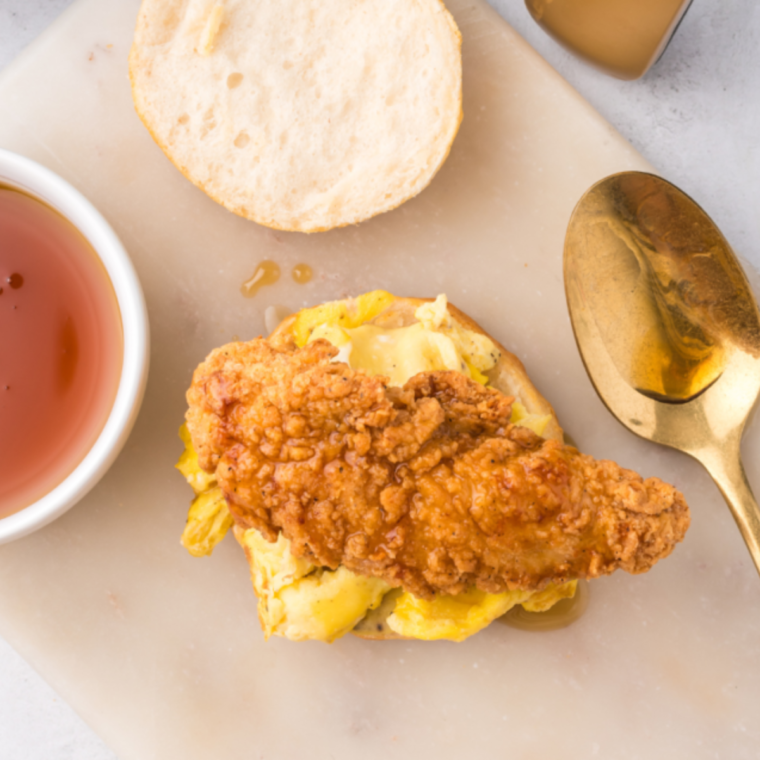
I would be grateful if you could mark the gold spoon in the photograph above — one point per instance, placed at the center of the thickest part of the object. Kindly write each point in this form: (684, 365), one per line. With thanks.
(667, 326)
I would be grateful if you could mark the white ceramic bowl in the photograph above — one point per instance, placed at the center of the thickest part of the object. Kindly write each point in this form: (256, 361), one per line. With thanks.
(19, 172)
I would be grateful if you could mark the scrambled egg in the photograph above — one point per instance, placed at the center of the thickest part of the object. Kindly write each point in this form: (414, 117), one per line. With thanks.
(208, 519)
(435, 342)
(536, 422)
(340, 314)
(451, 617)
(300, 601)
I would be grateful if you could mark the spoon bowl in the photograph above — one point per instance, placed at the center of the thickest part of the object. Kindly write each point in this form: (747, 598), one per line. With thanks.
(667, 326)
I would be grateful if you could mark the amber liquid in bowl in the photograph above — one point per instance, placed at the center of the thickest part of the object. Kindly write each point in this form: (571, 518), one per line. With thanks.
(61, 347)
(622, 37)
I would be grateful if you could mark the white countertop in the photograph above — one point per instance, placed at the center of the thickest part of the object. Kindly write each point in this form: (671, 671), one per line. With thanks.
(694, 116)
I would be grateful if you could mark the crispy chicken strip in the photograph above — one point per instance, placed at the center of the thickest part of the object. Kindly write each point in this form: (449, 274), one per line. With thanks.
(428, 486)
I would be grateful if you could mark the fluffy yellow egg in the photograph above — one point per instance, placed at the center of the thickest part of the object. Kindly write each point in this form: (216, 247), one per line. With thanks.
(302, 602)
(340, 313)
(450, 617)
(435, 342)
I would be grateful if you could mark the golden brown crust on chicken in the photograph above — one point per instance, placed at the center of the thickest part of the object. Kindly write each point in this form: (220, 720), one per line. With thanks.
(508, 376)
(428, 486)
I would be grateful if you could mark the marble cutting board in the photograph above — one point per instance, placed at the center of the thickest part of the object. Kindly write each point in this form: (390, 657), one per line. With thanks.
(162, 654)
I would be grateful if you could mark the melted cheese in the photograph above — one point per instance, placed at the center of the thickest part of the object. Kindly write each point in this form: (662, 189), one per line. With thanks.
(433, 343)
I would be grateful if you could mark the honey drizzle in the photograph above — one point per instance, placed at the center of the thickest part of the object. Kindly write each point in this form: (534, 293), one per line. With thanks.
(266, 273)
(302, 273)
(562, 614)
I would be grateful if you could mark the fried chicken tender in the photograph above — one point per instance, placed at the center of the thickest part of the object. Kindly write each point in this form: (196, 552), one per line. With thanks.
(429, 486)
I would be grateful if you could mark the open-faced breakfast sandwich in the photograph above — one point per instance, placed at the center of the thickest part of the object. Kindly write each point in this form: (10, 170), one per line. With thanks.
(300, 114)
(391, 471)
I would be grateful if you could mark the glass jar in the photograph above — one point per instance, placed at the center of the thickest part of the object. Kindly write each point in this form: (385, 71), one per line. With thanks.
(621, 37)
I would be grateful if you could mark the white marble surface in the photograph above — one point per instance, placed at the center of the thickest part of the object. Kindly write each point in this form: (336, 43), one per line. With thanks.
(694, 116)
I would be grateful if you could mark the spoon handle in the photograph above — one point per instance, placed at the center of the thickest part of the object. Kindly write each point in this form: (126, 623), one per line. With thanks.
(725, 467)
